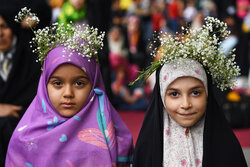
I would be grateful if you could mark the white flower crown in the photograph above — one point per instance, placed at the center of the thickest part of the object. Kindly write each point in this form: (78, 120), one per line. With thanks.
(201, 45)
(68, 35)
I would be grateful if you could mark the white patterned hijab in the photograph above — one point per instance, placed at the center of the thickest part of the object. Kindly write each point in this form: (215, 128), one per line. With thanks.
(181, 68)
(181, 146)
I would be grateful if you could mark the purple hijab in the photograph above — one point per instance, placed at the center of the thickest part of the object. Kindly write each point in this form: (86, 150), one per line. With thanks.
(95, 137)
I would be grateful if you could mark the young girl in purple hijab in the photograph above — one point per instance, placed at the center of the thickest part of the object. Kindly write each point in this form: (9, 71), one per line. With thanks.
(70, 122)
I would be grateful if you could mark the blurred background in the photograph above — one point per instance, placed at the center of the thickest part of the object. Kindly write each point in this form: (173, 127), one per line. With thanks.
(130, 26)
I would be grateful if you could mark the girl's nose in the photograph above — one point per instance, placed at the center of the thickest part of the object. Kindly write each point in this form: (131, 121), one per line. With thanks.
(186, 103)
(68, 91)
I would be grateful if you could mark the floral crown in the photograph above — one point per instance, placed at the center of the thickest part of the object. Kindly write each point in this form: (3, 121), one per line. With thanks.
(201, 45)
(76, 38)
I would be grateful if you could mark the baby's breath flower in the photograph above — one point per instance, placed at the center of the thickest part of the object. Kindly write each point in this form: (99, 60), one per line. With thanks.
(26, 14)
(202, 45)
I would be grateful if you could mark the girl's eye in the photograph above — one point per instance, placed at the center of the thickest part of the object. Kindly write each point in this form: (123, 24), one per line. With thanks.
(196, 93)
(57, 83)
(174, 94)
(79, 83)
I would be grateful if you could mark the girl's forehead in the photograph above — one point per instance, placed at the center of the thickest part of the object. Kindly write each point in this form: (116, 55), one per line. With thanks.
(181, 68)
(65, 67)
(186, 82)
(69, 70)
(58, 56)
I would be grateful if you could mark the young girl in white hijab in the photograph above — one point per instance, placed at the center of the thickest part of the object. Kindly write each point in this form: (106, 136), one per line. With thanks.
(183, 125)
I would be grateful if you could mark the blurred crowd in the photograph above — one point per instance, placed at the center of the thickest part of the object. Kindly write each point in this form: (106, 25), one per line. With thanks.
(130, 26)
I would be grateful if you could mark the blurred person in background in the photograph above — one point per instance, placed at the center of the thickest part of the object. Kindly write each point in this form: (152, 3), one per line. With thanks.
(207, 8)
(56, 7)
(141, 8)
(136, 45)
(189, 12)
(174, 9)
(75, 11)
(197, 21)
(123, 72)
(158, 16)
(117, 14)
(19, 75)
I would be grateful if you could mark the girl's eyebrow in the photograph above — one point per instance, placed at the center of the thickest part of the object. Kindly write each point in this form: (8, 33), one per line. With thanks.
(192, 88)
(77, 77)
(197, 87)
(173, 89)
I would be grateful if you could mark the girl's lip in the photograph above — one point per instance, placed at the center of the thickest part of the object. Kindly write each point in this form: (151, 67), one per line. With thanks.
(187, 115)
(67, 105)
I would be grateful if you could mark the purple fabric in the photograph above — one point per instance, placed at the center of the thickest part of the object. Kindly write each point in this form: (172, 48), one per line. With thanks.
(95, 136)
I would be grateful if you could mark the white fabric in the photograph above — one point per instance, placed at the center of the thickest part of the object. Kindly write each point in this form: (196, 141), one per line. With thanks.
(6, 60)
(189, 13)
(181, 68)
(179, 147)
(180, 150)
(117, 47)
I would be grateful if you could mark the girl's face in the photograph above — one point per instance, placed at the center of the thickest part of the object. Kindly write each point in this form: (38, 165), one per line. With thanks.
(133, 24)
(68, 89)
(185, 100)
(6, 35)
(77, 4)
(115, 34)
